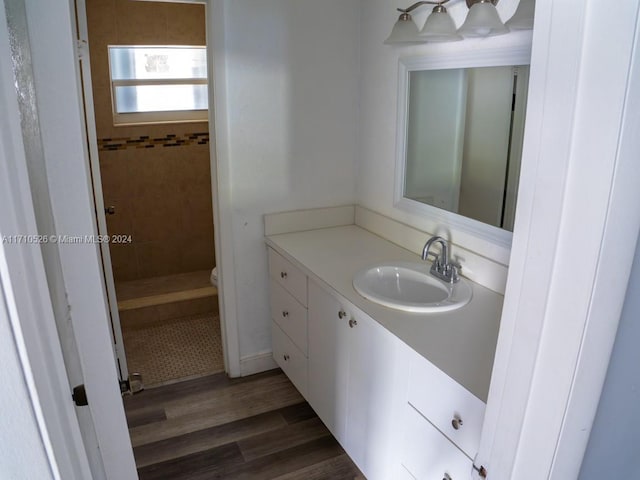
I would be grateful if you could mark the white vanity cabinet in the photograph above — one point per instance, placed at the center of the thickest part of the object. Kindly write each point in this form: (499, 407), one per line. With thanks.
(395, 413)
(353, 377)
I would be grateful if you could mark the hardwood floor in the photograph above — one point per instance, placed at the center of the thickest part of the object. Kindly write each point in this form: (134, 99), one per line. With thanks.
(256, 427)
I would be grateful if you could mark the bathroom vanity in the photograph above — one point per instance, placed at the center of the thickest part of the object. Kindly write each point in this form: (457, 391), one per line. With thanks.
(404, 393)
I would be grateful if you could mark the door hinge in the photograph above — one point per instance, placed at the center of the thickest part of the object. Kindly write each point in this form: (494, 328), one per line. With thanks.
(132, 385)
(481, 471)
(125, 386)
(81, 47)
(79, 396)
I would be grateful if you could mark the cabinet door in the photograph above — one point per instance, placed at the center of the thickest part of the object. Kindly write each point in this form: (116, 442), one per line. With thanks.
(375, 399)
(328, 362)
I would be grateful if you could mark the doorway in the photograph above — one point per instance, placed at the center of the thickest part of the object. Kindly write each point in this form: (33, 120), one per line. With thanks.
(155, 188)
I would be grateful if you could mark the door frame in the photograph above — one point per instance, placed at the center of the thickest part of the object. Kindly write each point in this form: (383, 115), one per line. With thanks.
(220, 185)
(53, 48)
(23, 284)
(574, 241)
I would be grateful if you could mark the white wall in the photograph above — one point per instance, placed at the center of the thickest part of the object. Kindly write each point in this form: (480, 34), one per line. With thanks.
(378, 100)
(613, 445)
(292, 103)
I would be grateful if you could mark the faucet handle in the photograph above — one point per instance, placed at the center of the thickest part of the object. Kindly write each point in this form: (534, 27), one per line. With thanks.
(455, 264)
(451, 271)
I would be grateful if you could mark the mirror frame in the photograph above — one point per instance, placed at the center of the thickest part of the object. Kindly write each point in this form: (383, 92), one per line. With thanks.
(440, 61)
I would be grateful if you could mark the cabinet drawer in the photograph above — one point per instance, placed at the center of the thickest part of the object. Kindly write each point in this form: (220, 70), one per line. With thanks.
(445, 402)
(289, 276)
(429, 455)
(290, 359)
(289, 315)
(401, 473)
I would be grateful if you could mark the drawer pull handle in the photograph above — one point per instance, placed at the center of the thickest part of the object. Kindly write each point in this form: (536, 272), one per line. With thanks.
(342, 314)
(447, 477)
(456, 423)
(352, 323)
(285, 314)
(283, 274)
(286, 357)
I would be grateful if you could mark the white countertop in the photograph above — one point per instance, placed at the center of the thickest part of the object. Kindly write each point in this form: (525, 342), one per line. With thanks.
(461, 343)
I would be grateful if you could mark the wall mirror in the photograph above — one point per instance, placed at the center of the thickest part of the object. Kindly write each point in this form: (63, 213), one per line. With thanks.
(460, 135)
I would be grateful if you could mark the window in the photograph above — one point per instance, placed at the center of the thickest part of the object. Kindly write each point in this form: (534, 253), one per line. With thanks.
(158, 84)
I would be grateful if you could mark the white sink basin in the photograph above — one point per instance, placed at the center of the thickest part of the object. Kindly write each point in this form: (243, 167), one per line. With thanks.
(410, 287)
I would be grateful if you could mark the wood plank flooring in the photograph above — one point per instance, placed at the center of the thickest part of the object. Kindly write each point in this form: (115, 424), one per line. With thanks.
(256, 427)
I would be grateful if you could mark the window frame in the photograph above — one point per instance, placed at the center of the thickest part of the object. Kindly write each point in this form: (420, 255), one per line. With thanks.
(159, 117)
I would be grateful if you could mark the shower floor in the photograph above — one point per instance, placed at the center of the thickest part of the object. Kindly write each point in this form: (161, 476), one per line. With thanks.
(175, 349)
(171, 327)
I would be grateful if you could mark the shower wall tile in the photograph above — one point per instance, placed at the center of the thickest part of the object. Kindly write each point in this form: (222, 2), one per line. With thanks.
(184, 26)
(157, 259)
(155, 218)
(157, 176)
(124, 262)
(197, 253)
(138, 23)
(116, 173)
(120, 223)
(101, 19)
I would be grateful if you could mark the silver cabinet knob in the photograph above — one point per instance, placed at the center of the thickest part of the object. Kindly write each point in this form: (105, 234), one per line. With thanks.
(456, 423)
(342, 314)
(285, 314)
(286, 357)
(353, 323)
(283, 274)
(110, 210)
(447, 477)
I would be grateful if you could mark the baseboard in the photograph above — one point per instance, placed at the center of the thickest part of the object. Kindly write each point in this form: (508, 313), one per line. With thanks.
(257, 363)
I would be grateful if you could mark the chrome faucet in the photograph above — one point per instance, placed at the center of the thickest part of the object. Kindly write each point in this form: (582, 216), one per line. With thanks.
(441, 267)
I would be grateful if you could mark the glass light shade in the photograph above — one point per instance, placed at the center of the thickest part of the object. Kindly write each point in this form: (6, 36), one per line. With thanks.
(439, 27)
(482, 21)
(404, 31)
(523, 18)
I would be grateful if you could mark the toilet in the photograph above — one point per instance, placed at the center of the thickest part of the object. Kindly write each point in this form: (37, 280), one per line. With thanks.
(214, 277)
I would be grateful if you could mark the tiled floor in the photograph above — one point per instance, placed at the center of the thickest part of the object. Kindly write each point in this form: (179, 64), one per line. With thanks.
(171, 327)
(254, 428)
(174, 349)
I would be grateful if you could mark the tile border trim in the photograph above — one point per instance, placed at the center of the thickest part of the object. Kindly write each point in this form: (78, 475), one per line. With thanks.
(108, 144)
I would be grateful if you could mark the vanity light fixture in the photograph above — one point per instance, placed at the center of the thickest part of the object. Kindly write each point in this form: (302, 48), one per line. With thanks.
(481, 21)
(523, 18)
(439, 27)
(405, 30)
